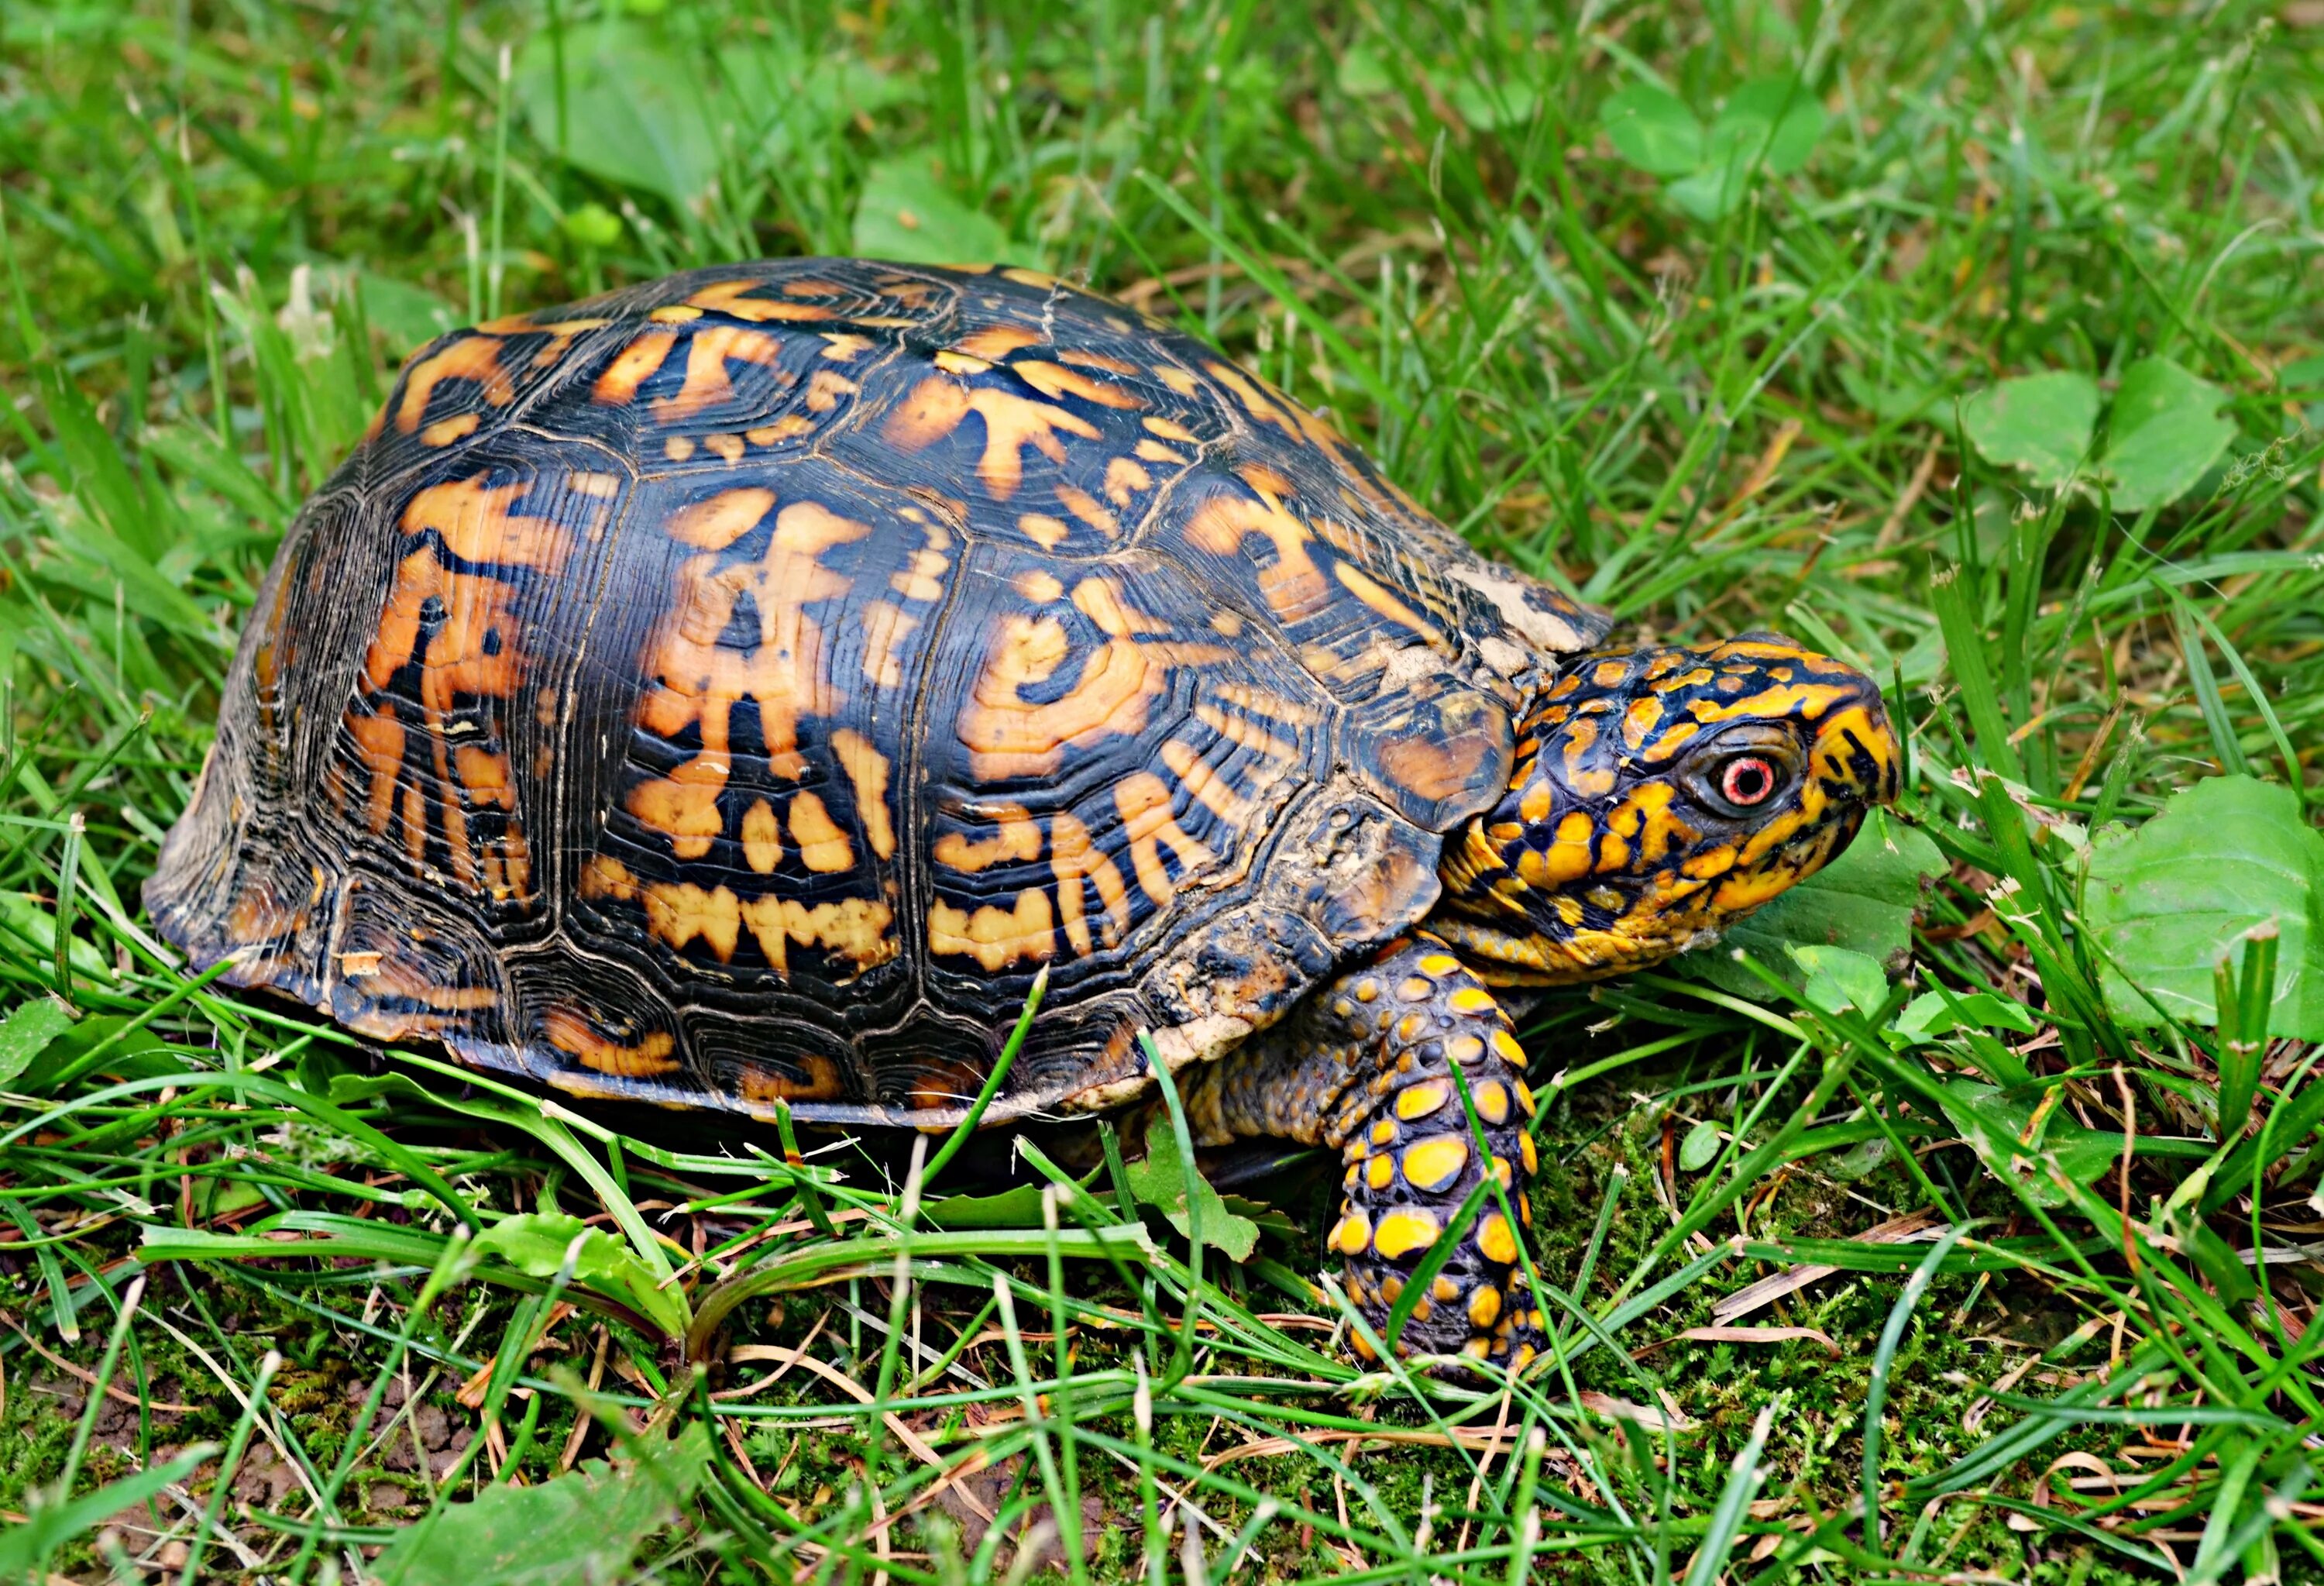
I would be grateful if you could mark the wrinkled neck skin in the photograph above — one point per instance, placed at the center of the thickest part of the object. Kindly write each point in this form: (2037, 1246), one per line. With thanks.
(1616, 845)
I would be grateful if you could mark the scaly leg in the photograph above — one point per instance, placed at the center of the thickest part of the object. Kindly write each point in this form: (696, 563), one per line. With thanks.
(1366, 1065)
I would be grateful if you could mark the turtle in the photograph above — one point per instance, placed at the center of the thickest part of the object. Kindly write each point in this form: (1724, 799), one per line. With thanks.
(731, 692)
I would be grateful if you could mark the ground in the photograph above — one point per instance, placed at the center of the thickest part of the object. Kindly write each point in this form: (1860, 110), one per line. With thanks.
(1977, 343)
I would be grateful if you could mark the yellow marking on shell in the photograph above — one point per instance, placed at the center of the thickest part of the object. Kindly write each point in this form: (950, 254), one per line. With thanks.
(783, 429)
(1380, 1172)
(683, 804)
(379, 741)
(475, 358)
(1153, 451)
(571, 1032)
(1044, 531)
(825, 387)
(1530, 1153)
(1384, 1132)
(674, 314)
(884, 626)
(1403, 1231)
(823, 846)
(678, 911)
(845, 345)
(1492, 1099)
(1075, 859)
(867, 768)
(1038, 585)
(922, 578)
(728, 446)
(698, 678)
(705, 383)
(1434, 1163)
(1124, 479)
(444, 431)
(854, 929)
(1016, 837)
(1148, 824)
(938, 405)
(953, 362)
(678, 447)
(722, 520)
(1240, 731)
(1484, 1307)
(630, 368)
(1089, 509)
(728, 297)
(1201, 779)
(995, 938)
(994, 343)
(1420, 1099)
(1496, 1240)
(762, 837)
(1054, 380)
(1353, 1235)
(1292, 585)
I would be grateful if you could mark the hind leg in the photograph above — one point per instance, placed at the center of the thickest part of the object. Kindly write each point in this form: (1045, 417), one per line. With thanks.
(1366, 1064)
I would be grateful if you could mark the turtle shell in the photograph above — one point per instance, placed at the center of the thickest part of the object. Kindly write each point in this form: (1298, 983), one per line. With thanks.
(736, 688)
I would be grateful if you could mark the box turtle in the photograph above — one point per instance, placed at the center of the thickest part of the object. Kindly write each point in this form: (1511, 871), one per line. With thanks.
(731, 690)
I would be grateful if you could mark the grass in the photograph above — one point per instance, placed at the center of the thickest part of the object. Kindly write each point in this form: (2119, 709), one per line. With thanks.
(329, 1294)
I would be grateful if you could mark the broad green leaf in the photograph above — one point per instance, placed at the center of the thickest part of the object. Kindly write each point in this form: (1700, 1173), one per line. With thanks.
(1840, 977)
(1772, 123)
(1501, 107)
(1162, 1181)
(535, 1244)
(1929, 1015)
(1699, 1145)
(1362, 74)
(1862, 902)
(2040, 423)
(2169, 900)
(579, 1528)
(1996, 1125)
(406, 317)
(28, 1032)
(634, 114)
(2166, 431)
(907, 213)
(1652, 130)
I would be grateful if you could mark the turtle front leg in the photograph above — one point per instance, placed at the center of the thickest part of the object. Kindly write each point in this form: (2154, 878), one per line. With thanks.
(1366, 1064)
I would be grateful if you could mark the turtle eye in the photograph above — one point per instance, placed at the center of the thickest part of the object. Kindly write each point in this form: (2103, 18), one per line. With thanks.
(1748, 781)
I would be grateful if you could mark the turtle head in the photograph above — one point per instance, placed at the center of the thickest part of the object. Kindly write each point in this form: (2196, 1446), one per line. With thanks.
(1658, 797)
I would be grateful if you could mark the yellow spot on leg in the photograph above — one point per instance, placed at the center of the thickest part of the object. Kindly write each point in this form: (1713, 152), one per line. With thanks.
(1484, 1307)
(1403, 1231)
(1353, 1235)
(1420, 1099)
(1495, 1237)
(1433, 1164)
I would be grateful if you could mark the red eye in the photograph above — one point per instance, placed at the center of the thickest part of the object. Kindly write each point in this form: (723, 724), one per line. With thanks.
(1746, 780)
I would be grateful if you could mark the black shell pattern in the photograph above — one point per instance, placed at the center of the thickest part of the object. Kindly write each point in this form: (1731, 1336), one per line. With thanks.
(735, 688)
